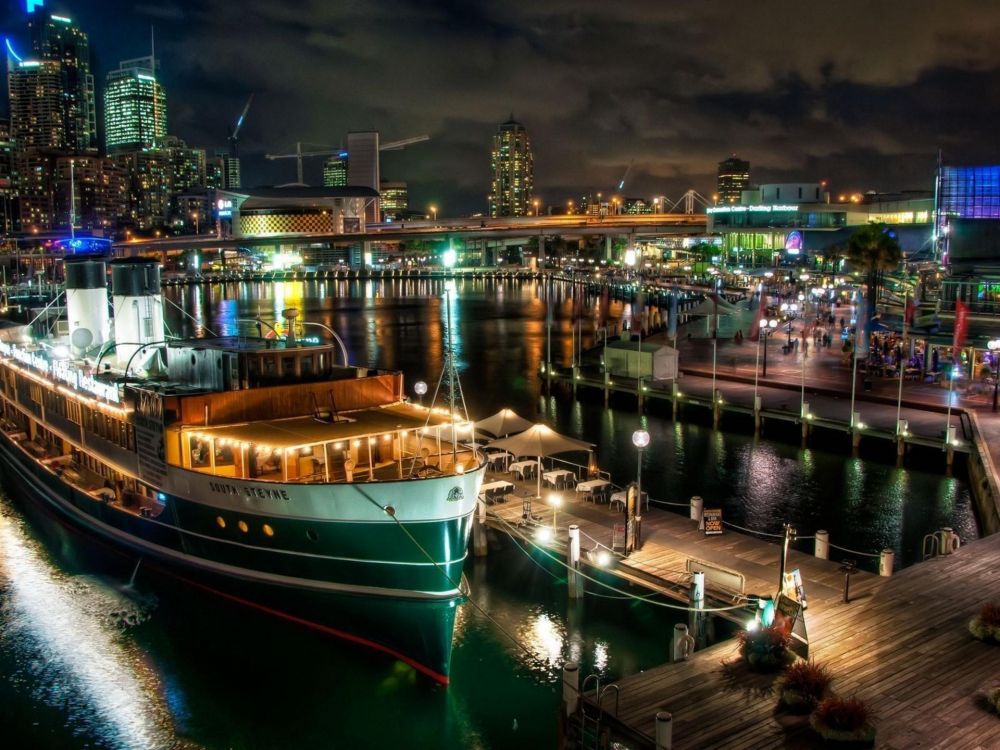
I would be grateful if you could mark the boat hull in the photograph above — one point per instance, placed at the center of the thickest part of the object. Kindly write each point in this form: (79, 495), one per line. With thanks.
(404, 605)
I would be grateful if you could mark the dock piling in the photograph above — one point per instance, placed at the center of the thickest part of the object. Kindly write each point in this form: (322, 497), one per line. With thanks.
(886, 561)
(571, 687)
(480, 545)
(697, 511)
(822, 545)
(574, 581)
(664, 730)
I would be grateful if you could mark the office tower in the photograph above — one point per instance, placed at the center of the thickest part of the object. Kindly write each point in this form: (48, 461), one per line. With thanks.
(513, 170)
(734, 178)
(187, 165)
(36, 104)
(394, 199)
(135, 107)
(98, 189)
(8, 193)
(56, 39)
(149, 185)
(363, 169)
(335, 171)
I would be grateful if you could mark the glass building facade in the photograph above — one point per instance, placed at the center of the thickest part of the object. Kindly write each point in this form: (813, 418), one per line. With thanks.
(135, 108)
(970, 192)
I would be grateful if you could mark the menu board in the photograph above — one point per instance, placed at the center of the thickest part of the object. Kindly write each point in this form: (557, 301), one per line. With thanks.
(713, 521)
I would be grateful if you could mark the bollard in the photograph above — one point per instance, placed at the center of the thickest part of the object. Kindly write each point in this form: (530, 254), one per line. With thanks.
(697, 511)
(822, 550)
(756, 414)
(574, 580)
(664, 730)
(682, 644)
(886, 561)
(571, 687)
(698, 589)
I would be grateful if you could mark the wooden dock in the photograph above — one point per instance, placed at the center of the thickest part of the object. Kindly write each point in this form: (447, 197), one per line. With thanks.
(901, 644)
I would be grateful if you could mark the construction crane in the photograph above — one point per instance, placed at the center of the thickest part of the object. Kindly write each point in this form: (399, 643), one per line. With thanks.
(327, 150)
(235, 134)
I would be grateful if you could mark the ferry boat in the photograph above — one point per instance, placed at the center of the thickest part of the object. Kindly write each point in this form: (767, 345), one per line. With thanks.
(263, 468)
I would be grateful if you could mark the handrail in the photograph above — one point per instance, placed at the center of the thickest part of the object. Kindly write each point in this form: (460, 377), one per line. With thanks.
(618, 696)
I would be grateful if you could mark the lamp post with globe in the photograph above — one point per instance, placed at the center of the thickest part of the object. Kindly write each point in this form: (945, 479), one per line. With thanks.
(420, 388)
(767, 327)
(640, 439)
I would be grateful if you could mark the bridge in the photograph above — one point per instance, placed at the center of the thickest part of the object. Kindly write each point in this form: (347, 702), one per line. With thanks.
(475, 228)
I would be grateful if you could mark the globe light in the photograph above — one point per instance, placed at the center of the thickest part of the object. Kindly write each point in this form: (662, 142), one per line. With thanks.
(420, 388)
(640, 438)
(555, 500)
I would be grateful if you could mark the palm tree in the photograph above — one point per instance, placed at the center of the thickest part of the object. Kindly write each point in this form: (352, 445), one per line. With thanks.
(833, 255)
(874, 249)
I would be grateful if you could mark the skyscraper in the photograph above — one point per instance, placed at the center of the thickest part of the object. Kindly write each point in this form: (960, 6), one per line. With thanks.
(394, 199)
(35, 92)
(513, 170)
(135, 107)
(58, 40)
(734, 178)
(335, 171)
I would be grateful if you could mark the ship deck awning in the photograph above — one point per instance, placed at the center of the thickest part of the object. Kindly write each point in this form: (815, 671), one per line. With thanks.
(299, 432)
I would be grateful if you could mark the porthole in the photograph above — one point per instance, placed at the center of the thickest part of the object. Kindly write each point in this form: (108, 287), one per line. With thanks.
(311, 535)
(268, 531)
(220, 522)
(243, 526)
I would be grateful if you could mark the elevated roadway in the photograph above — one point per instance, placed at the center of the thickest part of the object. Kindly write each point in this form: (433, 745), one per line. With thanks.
(648, 226)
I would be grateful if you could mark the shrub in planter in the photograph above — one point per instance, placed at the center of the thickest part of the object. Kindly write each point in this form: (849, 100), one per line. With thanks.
(843, 720)
(803, 685)
(993, 696)
(986, 625)
(765, 649)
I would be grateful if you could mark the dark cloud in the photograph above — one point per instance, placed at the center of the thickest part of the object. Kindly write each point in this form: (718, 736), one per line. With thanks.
(860, 93)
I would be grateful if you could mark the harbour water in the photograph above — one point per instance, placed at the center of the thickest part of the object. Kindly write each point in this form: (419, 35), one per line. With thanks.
(88, 661)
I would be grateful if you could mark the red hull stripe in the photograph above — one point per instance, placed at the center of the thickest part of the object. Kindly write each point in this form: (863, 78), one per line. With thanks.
(436, 676)
(423, 669)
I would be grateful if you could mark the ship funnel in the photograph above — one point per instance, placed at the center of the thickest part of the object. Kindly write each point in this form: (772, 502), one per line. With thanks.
(290, 314)
(87, 304)
(135, 295)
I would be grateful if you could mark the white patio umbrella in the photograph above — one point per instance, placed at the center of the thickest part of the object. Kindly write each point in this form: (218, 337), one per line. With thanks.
(504, 422)
(541, 440)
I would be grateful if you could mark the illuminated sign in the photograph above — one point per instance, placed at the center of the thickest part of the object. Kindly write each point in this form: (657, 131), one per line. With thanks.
(144, 77)
(29, 64)
(30, 5)
(794, 243)
(225, 208)
(61, 19)
(751, 209)
(61, 370)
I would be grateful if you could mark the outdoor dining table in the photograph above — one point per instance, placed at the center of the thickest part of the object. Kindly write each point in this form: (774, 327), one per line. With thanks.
(590, 485)
(497, 457)
(619, 498)
(556, 475)
(500, 484)
(518, 467)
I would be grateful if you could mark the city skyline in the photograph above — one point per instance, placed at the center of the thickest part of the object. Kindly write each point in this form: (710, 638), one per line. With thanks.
(793, 108)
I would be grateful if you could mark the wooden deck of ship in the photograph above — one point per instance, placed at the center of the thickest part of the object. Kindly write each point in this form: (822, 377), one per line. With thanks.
(901, 644)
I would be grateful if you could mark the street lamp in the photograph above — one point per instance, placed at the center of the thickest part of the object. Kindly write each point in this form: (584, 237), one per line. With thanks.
(994, 346)
(640, 439)
(434, 213)
(555, 500)
(195, 215)
(656, 205)
(789, 309)
(535, 204)
(767, 327)
(420, 388)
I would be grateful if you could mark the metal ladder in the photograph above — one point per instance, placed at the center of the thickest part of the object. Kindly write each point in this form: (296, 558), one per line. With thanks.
(590, 723)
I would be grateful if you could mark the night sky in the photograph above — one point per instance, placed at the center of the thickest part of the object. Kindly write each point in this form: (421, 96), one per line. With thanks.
(861, 93)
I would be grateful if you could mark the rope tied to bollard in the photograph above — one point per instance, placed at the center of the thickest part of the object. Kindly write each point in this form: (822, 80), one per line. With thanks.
(854, 551)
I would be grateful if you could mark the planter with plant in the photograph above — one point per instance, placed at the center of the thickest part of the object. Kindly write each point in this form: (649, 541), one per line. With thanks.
(993, 698)
(986, 625)
(843, 720)
(765, 649)
(803, 685)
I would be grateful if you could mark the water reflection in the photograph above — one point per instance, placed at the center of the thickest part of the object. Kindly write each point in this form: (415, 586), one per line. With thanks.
(67, 647)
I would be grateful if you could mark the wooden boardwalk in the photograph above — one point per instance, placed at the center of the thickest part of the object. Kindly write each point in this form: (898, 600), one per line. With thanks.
(670, 540)
(901, 644)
